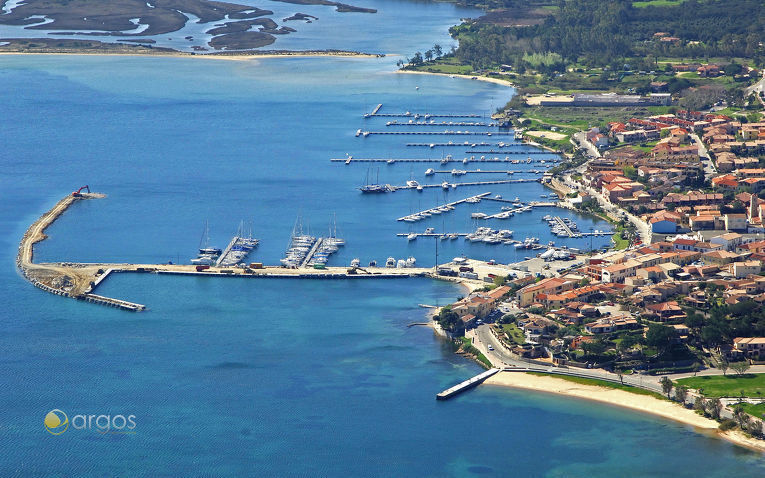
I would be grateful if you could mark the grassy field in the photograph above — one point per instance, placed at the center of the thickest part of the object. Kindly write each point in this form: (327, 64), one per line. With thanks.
(581, 118)
(620, 243)
(515, 334)
(604, 383)
(752, 385)
(754, 410)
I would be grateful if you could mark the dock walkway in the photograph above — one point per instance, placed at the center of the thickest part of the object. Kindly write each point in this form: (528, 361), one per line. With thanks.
(435, 133)
(466, 385)
(418, 216)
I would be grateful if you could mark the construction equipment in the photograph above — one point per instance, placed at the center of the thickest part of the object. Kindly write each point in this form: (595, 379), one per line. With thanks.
(78, 193)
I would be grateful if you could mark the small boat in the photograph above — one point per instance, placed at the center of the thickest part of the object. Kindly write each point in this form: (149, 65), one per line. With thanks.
(356, 262)
(429, 230)
(411, 261)
(412, 183)
(372, 263)
(391, 262)
(411, 237)
(445, 185)
(429, 172)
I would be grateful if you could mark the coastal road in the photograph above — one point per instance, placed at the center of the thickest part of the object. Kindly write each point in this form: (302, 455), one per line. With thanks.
(500, 357)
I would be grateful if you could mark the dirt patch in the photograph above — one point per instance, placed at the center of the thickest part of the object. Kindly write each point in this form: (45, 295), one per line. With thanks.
(546, 134)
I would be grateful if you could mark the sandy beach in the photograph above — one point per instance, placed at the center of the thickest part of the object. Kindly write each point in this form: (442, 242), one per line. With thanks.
(497, 81)
(621, 398)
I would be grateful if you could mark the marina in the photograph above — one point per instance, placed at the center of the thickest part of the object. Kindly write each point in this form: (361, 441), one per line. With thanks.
(418, 216)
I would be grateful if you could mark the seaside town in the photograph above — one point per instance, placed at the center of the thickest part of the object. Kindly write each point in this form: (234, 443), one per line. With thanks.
(679, 300)
(630, 134)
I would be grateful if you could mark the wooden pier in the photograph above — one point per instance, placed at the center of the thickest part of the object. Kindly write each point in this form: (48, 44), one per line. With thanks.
(466, 385)
(418, 215)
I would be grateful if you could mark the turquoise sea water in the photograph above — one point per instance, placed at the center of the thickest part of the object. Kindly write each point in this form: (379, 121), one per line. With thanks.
(236, 377)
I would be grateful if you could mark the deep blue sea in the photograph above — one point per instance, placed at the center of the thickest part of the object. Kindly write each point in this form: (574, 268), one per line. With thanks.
(234, 377)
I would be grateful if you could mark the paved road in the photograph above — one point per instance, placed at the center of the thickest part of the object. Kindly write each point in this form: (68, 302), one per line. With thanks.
(757, 88)
(706, 161)
(499, 357)
(590, 148)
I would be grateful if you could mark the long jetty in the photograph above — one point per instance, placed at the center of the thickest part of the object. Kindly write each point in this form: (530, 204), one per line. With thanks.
(67, 280)
(80, 280)
(441, 209)
(466, 385)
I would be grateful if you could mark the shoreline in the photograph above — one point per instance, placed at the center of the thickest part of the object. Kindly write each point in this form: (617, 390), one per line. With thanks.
(486, 79)
(211, 56)
(620, 398)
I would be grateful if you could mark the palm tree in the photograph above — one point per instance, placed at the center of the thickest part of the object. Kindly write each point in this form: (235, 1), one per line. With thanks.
(428, 55)
(438, 50)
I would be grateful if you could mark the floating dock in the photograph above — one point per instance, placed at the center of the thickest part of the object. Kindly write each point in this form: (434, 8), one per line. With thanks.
(414, 217)
(440, 123)
(236, 251)
(466, 385)
(447, 160)
(433, 133)
(488, 171)
(475, 183)
(376, 113)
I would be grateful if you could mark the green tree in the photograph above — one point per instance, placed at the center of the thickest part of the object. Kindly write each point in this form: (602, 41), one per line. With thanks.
(723, 365)
(666, 385)
(660, 336)
(438, 50)
(681, 393)
(740, 367)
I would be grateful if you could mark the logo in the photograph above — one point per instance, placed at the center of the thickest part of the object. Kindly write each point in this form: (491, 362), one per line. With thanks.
(56, 422)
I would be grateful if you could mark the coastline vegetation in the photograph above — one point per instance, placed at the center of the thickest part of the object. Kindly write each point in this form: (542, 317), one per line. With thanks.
(468, 348)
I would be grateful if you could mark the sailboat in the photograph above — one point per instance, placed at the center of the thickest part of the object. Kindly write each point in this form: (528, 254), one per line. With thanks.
(207, 255)
(375, 188)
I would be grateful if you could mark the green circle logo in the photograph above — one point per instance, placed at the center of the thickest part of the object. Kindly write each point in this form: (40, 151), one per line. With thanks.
(56, 422)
